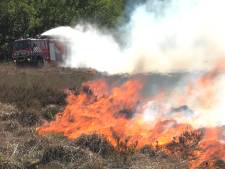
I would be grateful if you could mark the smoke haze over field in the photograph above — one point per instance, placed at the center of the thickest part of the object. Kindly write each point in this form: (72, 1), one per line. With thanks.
(180, 35)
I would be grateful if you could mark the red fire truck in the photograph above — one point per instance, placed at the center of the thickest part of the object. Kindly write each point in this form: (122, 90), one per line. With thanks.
(39, 51)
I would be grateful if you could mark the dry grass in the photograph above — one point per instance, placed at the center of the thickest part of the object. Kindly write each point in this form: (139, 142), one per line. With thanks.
(32, 89)
(22, 148)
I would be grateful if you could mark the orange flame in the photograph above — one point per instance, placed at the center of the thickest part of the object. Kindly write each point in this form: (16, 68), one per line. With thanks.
(211, 147)
(111, 111)
(98, 110)
(106, 111)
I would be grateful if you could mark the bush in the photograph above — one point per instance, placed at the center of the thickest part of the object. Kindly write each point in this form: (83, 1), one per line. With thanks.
(185, 144)
(148, 150)
(50, 111)
(28, 118)
(95, 143)
(53, 153)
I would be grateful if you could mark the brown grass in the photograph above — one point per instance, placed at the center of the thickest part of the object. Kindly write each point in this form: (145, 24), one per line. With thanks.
(31, 88)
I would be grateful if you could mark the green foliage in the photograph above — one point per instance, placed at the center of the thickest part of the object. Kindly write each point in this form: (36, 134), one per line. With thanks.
(22, 18)
(103, 12)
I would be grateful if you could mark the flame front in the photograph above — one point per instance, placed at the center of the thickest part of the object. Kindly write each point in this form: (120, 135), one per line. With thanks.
(122, 111)
(99, 109)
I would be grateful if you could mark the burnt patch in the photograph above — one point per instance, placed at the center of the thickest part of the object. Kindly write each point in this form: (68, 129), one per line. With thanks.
(215, 164)
(126, 113)
(87, 90)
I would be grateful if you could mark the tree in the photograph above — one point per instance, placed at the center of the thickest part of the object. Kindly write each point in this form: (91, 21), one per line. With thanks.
(102, 12)
(22, 18)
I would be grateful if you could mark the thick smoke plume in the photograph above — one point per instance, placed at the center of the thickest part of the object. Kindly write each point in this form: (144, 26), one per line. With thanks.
(161, 36)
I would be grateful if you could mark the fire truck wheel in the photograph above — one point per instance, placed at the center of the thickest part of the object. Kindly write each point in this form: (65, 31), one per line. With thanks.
(19, 64)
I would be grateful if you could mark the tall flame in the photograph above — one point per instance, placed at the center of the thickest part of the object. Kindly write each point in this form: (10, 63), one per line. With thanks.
(99, 109)
(122, 111)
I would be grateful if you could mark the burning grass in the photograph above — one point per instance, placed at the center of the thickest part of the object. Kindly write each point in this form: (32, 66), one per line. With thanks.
(102, 120)
(27, 150)
(118, 114)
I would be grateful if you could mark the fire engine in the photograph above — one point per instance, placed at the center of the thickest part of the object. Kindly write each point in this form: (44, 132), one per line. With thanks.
(39, 51)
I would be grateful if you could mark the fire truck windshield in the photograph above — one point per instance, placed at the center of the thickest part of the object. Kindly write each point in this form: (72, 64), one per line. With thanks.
(23, 44)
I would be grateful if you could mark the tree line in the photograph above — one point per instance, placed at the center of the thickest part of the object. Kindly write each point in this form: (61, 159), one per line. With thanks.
(28, 18)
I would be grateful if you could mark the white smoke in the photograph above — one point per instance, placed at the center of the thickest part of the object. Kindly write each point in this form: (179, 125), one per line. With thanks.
(180, 35)
(203, 106)
(161, 36)
(188, 36)
(175, 35)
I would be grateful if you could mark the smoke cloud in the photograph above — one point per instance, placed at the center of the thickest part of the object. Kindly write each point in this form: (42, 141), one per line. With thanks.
(161, 36)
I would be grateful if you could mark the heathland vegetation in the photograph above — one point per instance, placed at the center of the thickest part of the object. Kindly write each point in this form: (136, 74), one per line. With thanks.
(27, 100)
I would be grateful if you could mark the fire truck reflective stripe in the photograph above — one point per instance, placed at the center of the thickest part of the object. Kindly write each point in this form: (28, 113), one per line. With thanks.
(37, 50)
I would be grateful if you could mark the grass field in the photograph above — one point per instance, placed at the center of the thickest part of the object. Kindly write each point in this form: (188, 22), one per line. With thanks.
(29, 96)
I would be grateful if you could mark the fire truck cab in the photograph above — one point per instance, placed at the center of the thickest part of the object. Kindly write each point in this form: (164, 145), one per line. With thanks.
(39, 51)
